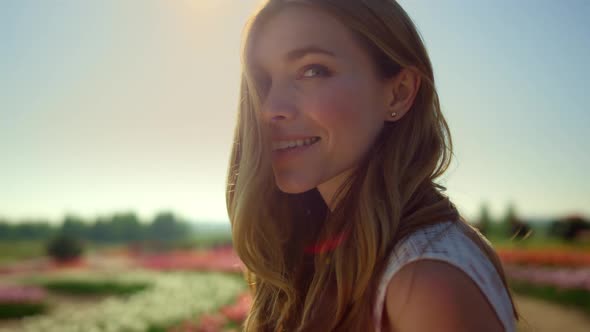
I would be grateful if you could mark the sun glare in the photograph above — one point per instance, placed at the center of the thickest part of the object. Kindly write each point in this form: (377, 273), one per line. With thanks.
(205, 5)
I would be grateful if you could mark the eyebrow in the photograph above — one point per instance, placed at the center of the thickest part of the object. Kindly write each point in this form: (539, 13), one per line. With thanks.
(301, 52)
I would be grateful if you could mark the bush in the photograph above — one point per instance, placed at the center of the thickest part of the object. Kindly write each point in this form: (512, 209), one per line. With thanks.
(19, 310)
(21, 301)
(569, 228)
(87, 287)
(64, 248)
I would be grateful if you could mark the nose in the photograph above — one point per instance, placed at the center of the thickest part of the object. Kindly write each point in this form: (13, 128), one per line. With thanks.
(279, 104)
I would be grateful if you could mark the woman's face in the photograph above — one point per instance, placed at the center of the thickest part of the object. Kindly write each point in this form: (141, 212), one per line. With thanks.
(322, 101)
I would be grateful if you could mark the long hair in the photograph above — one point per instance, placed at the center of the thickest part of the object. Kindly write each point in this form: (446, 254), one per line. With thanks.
(391, 194)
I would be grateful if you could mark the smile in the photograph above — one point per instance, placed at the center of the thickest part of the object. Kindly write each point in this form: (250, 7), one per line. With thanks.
(287, 145)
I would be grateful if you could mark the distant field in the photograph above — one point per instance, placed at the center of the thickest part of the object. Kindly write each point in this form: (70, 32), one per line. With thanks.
(16, 250)
(12, 251)
(539, 237)
(538, 242)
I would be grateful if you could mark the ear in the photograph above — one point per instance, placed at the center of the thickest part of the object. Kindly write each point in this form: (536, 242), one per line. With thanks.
(401, 92)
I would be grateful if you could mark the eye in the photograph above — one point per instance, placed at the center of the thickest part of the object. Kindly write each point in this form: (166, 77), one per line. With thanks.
(315, 71)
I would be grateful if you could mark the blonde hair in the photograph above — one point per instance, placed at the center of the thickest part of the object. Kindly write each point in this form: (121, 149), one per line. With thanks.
(391, 194)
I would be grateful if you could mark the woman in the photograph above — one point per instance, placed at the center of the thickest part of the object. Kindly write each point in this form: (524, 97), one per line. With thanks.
(331, 187)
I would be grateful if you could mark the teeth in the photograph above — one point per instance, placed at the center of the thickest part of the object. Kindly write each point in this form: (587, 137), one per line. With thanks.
(281, 145)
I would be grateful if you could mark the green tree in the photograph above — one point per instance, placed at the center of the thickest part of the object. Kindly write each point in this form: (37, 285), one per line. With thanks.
(6, 230)
(126, 227)
(74, 226)
(100, 231)
(508, 220)
(166, 228)
(484, 222)
(33, 230)
(512, 226)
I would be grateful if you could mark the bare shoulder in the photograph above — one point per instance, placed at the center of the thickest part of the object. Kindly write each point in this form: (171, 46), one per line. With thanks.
(432, 295)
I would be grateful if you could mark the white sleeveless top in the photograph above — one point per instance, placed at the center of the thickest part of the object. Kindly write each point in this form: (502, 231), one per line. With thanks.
(446, 242)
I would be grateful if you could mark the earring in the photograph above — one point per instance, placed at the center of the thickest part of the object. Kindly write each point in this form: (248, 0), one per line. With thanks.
(393, 115)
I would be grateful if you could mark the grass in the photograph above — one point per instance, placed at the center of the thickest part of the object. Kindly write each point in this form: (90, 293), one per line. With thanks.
(232, 325)
(155, 328)
(14, 251)
(204, 241)
(536, 242)
(578, 298)
(87, 287)
(19, 310)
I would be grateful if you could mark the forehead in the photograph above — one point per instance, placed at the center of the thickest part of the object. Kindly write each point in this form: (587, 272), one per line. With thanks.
(300, 26)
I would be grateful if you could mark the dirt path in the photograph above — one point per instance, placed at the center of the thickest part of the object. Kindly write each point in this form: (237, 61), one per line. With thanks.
(542, 316)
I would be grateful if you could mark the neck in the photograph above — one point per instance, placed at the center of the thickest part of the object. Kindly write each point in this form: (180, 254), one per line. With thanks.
(330, 189)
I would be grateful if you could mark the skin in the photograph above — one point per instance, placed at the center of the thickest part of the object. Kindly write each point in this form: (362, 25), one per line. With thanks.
(332, 92)
(431, 295)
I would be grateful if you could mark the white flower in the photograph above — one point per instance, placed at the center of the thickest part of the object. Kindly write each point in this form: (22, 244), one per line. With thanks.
(173, 297)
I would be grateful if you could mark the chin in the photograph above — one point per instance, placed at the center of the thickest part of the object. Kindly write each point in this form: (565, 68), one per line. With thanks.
(293, 186)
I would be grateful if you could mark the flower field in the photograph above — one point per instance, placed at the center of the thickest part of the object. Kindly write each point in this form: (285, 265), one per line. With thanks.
(564, 278)
(196, 290)
(218, 260)
(21, 294)
(227, 319)
(21, 301)
(559, 275)
(203, 290)
(546, 256)
(173, 297)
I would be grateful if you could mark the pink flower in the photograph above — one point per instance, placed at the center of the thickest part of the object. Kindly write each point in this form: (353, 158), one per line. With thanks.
(211, 323)
(21, 294)
(238, 311)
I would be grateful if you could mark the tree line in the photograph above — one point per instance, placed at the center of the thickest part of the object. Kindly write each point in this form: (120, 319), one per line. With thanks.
(117, 228)
(569, 228)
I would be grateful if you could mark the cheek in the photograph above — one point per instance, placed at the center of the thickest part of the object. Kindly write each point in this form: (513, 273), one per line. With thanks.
(346, 110)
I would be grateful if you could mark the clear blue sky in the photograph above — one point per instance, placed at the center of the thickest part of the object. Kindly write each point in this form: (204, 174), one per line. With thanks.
(110, 105)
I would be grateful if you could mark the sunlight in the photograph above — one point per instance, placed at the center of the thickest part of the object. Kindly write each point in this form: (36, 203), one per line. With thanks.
(205, 6)
(208, 6)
